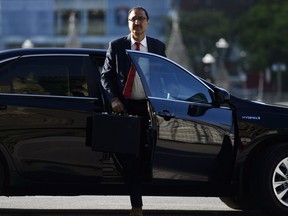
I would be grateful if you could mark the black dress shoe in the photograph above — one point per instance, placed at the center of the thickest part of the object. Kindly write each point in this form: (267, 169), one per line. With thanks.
(136, 212)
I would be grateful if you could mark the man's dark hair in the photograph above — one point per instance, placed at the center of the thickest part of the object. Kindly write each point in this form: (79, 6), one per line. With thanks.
(140, 8)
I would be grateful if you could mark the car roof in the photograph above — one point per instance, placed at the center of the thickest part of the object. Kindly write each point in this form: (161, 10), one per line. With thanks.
(34, 51)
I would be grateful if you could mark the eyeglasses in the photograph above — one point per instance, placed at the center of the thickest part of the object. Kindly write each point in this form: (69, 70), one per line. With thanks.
(140, 18)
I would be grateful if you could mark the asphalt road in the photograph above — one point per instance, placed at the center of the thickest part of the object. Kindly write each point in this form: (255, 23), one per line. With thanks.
(114, 205)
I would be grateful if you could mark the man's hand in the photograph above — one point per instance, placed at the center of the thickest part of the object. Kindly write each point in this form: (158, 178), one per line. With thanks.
(117, 105)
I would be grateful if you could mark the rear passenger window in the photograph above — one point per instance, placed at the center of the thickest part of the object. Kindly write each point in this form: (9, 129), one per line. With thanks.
(46, 75)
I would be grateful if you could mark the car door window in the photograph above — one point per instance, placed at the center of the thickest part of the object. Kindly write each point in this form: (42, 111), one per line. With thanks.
(45, 75)
(166, 80)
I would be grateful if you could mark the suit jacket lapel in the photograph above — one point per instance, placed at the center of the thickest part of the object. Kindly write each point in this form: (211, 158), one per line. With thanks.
(127, 46)
(128, 42)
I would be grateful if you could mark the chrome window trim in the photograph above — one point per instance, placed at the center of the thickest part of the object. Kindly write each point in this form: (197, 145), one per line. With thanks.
(54, 54)
(48, 96)
(10, 59)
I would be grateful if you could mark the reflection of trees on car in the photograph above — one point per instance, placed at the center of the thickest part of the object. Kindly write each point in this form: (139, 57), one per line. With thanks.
(187, 132)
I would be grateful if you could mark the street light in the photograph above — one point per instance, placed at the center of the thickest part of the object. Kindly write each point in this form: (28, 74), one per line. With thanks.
(222, 43)
(222, 77)
(27, 44)
(209, 60)
(279, 68)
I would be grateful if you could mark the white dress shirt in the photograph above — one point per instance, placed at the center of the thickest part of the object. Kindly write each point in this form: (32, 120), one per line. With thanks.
(137, 89)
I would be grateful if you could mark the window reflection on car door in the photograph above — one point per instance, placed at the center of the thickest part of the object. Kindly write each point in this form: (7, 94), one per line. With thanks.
(193, 135)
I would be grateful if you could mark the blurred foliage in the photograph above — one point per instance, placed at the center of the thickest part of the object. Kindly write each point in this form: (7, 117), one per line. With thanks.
(261, 31)
(201, 30)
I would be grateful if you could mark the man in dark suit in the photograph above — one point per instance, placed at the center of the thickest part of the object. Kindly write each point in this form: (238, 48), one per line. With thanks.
(114, 77)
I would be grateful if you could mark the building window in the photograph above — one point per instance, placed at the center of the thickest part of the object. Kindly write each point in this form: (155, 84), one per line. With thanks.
(96, 24)
(62, 21)
(89, 22)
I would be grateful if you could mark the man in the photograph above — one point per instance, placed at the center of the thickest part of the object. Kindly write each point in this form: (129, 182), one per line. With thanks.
(114, 78)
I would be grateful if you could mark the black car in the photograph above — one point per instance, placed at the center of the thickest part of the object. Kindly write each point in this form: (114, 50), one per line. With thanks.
(58, 136)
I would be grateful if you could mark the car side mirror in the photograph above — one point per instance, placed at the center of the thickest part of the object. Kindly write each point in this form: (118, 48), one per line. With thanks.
(221, 96)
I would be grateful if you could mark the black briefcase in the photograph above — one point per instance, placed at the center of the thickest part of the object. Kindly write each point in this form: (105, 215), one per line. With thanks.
(116, 133)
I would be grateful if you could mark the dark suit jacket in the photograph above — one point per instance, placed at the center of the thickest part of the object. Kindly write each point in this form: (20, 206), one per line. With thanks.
(117, 64)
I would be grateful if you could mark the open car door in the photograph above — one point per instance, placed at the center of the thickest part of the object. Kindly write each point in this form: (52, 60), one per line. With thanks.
(195, 135)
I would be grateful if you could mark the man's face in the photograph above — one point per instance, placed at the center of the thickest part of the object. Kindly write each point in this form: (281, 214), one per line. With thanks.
(138, 23)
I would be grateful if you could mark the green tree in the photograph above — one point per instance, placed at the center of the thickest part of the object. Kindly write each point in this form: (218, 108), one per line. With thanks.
(263, 31)
(200, 30)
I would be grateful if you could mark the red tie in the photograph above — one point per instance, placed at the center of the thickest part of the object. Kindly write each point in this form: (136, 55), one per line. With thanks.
(130, 79)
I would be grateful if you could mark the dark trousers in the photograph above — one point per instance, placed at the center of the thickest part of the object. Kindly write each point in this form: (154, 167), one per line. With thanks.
(132, 164)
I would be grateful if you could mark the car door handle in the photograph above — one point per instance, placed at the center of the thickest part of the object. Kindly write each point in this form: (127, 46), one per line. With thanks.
(167, 115)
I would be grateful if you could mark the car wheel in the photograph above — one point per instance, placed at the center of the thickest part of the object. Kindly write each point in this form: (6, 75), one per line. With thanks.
(270, 181)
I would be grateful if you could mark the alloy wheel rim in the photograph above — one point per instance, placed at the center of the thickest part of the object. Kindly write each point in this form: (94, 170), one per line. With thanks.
(280, 181)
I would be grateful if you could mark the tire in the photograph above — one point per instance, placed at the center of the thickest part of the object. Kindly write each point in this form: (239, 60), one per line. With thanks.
(270, 180)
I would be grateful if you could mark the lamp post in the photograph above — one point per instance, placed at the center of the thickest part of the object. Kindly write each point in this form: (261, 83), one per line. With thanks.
(27, 44)
(222, 78)
(279, 68)
(209, 60)
(222, 43)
